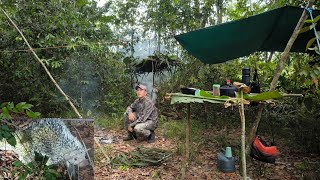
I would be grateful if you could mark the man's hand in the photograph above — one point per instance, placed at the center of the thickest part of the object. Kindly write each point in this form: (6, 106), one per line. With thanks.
(131, 117)
(130, 129)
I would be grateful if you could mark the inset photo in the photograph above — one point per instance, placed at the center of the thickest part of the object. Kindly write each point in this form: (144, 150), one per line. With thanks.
(49, 148)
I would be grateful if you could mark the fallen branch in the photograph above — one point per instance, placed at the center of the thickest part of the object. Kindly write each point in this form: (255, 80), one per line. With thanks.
(101, 149)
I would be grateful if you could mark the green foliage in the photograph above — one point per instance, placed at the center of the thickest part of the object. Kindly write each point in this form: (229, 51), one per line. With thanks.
(76, 34)
(118, 92)
(310, 42)
(8, 109)
(6, 133)
(305, 29)
(113, 122)
(311, 28)
(295, 119)
(21, 108)
(174, 129)
(36, 168)
(262, 96)
(315, 20)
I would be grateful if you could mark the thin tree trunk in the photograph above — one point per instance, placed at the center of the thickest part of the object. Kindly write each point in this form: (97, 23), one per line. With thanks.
(254, 127)
(219, 6)
(187, 135)
(281, 66)
(43, 65)
(270, 56)
(159, 42)
(243, 139)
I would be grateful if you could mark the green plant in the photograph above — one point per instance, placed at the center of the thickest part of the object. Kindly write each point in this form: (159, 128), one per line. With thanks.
(22, 108)
(181, 148)
(8, 109)
(114, 122)
(6, 133)
(36, 168)
(174, 129)
(123, 167)
(155, 175)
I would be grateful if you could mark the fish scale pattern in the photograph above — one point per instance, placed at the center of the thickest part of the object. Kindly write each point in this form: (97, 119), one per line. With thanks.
(50, 137)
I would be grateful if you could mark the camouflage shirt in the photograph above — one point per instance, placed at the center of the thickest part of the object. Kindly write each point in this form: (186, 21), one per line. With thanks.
(144, 109)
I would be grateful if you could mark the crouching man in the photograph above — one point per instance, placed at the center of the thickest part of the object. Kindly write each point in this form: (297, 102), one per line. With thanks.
(141, 117)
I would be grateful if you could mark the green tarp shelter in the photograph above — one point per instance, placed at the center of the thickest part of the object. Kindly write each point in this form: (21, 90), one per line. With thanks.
(268, 31)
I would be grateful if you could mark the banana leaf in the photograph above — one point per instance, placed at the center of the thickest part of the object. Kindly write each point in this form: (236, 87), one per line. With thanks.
(262, 96)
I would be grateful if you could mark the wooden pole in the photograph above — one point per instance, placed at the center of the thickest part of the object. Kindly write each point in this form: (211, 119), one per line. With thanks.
(243, 138)
(43, 65)
(285, 53)
(280, 67)
(187, 135)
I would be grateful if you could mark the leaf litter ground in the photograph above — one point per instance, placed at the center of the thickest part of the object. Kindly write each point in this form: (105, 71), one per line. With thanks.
(202, 165)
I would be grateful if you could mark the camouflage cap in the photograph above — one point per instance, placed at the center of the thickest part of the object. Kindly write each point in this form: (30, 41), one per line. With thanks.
(141, 86)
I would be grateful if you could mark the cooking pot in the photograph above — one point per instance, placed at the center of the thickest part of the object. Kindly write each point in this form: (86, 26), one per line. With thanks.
(228, 90)
(188, 90)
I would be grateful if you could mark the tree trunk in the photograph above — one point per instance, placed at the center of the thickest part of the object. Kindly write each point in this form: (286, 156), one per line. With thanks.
(243, 139)
(280, 67)
(187, 135)
(219, 6)
(254, 127)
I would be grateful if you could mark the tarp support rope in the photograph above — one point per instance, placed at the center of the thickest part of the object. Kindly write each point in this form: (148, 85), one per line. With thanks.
(314, 27)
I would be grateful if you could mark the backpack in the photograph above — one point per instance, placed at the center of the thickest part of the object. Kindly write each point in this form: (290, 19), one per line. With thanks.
(262, 151)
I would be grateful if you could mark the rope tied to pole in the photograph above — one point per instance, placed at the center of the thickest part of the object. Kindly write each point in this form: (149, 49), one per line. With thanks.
(310, 9)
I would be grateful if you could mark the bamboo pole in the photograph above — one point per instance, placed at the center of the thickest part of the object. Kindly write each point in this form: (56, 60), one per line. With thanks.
(43, 65)
(243, 138)
(187, 135)
(280, 67)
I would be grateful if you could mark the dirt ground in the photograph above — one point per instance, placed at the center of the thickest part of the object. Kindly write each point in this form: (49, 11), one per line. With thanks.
(203, 163)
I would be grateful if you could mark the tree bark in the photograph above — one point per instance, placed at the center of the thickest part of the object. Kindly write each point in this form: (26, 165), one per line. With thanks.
(43, 65)
(219, 6)
(243, 139)
(280, 67)
(270, 56)
(254, 127)
(187, 135)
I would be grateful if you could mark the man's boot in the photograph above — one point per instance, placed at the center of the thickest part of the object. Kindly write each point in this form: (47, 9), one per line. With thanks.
(152, 137)
(131, 136)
